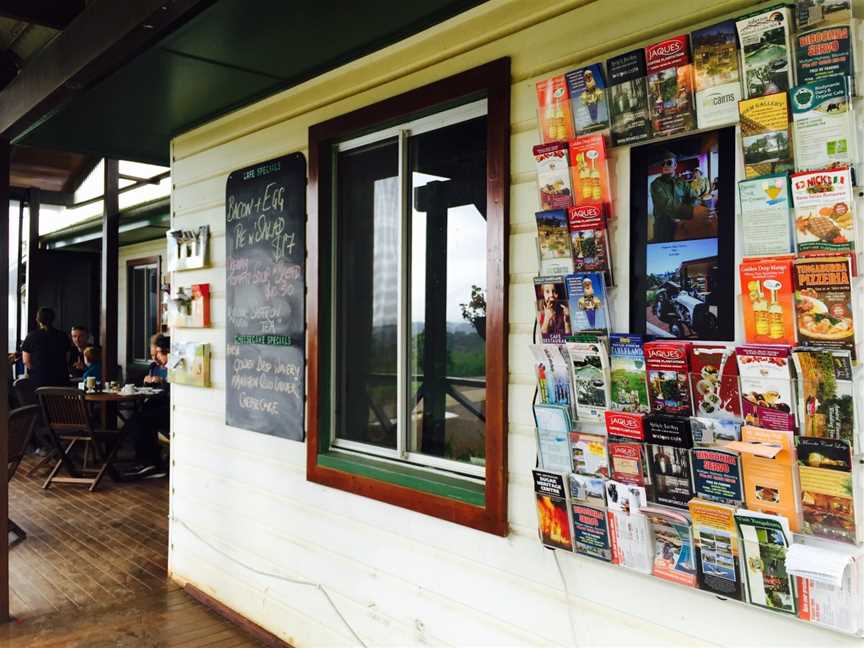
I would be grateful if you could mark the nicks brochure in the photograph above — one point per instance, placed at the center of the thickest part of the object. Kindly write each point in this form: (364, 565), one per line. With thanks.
(765, 540)
(553, 110)
(590, 171)
(674, 557)
(712, 432)
(824, 52)
(668, 375)
(717, 475)
(827, 502)
(826, 407)
(768, 300)
(670, 86)
(589, 370)
(591, 532)
(765, 135)
(586, 295)
(587, 88)
(823, 300)
(627, 360)
(553, 517)
(717, 77)
(766, 60)
(552, 368)
(553, 313)
(823, 125)
(553, 242)
(585, 489)
(766, 222)
(824, 214)
(553, 436)
(589, 240)
(589, 455)
(553, 175)
(770, 472)
(767, 390)
(669, 441)
(717, 551)
(714, 382)
(628, 98)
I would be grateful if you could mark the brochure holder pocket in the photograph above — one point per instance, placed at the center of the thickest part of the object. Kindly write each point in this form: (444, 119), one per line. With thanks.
(769, 403)
(716, 396)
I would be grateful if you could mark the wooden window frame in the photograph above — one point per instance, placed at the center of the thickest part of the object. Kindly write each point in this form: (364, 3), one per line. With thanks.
(130, 265)
(421, 491)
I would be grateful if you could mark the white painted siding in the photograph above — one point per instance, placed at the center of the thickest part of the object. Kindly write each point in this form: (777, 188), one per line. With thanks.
(400, 577)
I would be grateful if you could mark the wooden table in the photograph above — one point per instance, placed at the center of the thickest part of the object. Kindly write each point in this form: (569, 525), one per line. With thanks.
(114, 397)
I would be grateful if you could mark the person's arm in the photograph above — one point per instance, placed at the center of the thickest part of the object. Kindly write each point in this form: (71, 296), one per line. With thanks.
(664, 201)
(25, 357)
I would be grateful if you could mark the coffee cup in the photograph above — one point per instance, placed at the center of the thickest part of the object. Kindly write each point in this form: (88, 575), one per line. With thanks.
(91, 383)
(128, 389)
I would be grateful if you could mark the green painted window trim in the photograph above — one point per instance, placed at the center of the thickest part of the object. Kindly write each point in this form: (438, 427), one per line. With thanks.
(462, 490)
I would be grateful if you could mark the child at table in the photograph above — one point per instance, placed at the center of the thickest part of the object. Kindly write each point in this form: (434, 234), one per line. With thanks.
(92, 363)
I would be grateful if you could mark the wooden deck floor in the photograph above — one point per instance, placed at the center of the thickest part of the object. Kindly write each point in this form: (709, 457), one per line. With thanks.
(92, 571)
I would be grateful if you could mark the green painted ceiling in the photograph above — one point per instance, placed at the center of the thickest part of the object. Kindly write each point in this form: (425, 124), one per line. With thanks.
(230, 55)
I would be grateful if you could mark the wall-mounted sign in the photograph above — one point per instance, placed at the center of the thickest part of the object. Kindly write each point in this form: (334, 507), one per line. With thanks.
(265, 216)
(188, 249)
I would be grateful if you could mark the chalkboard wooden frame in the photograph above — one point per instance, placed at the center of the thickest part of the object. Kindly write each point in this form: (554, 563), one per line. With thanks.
(492, 81)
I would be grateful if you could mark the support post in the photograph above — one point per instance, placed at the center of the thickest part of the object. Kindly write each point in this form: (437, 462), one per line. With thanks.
(32, 257)
(110, 255)
(4, 382)
(18, 279)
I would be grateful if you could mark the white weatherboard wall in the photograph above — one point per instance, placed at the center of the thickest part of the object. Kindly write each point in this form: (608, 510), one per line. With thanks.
(401, 577)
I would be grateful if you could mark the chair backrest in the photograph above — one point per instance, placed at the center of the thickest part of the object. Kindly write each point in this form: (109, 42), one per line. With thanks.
(21, 424)
(24, 392)
(64, 409)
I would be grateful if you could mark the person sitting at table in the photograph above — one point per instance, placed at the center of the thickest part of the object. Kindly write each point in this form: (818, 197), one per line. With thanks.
(80, 341)
(154, 416)
(92, 361)
(45, 353)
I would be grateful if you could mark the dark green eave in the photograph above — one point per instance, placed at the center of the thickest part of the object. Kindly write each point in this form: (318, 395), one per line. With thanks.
(145, 222)
(230, 55)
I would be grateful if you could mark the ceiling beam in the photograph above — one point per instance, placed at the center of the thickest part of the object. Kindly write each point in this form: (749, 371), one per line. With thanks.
(105, 36)
(56, 14)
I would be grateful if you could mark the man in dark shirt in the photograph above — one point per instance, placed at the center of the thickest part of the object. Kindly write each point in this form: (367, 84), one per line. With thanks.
(80, 341)
(46, 353)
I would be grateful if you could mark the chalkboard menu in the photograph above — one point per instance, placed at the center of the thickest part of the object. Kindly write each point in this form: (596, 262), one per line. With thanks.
(265, 218)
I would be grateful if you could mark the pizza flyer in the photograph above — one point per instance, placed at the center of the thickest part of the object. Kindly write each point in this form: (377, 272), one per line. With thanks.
(766, 219)
(627, 364)
(767, 389)
(824, 215)
(714, 382)
(587, 88)
(827, 504)
(628, 98)
(768, 300)
(670, 86)
(589, 239)
(823, 302)
(668, 376)
(766, 60)
(765, 135)
(553, 242)
(553, 175)
(824, 52)
(824, 134)
(590, 171)
(553, 110)
(717, 77)
(826, 406)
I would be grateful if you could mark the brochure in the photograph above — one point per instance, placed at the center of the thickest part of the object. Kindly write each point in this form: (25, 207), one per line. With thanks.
(718, 79)
(767, 394)
(765, 135)
(553, 175)
(626, 462)
(589, 454)
(628, 98)
(589, 370)
(629, 391)
(587, 88)
(630, 535)
(768, 300)
(668, 376)
(670, 86)
(824, 52)
(770, 472)
(553, 110)
(589, 240)
(585, 489)
(586, 295)
(717, 551)
(625, 498)
(823, 300)
(591, 532)
(553, 437)
(553, 518)
(552, 369)
(764, 542)
(828, 581)
(711, 432)
(823, 126)
(674, 557)
(625, 425)
(714, 382)
(825, 393)
(824, 212)
(766, 62)
(810, 13)
(590, 171)
(553, 242)
(553, 313)
(827, 502)
(717, 475)
(766, 223)
(669, 441)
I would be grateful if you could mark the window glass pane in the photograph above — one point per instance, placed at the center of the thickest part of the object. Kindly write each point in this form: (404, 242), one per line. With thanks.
(138, 296)
(366, 295)
(448, 287)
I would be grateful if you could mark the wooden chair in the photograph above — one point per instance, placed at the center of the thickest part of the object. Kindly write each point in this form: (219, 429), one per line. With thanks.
(67, 417)
(25, 394)
(22, 421)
